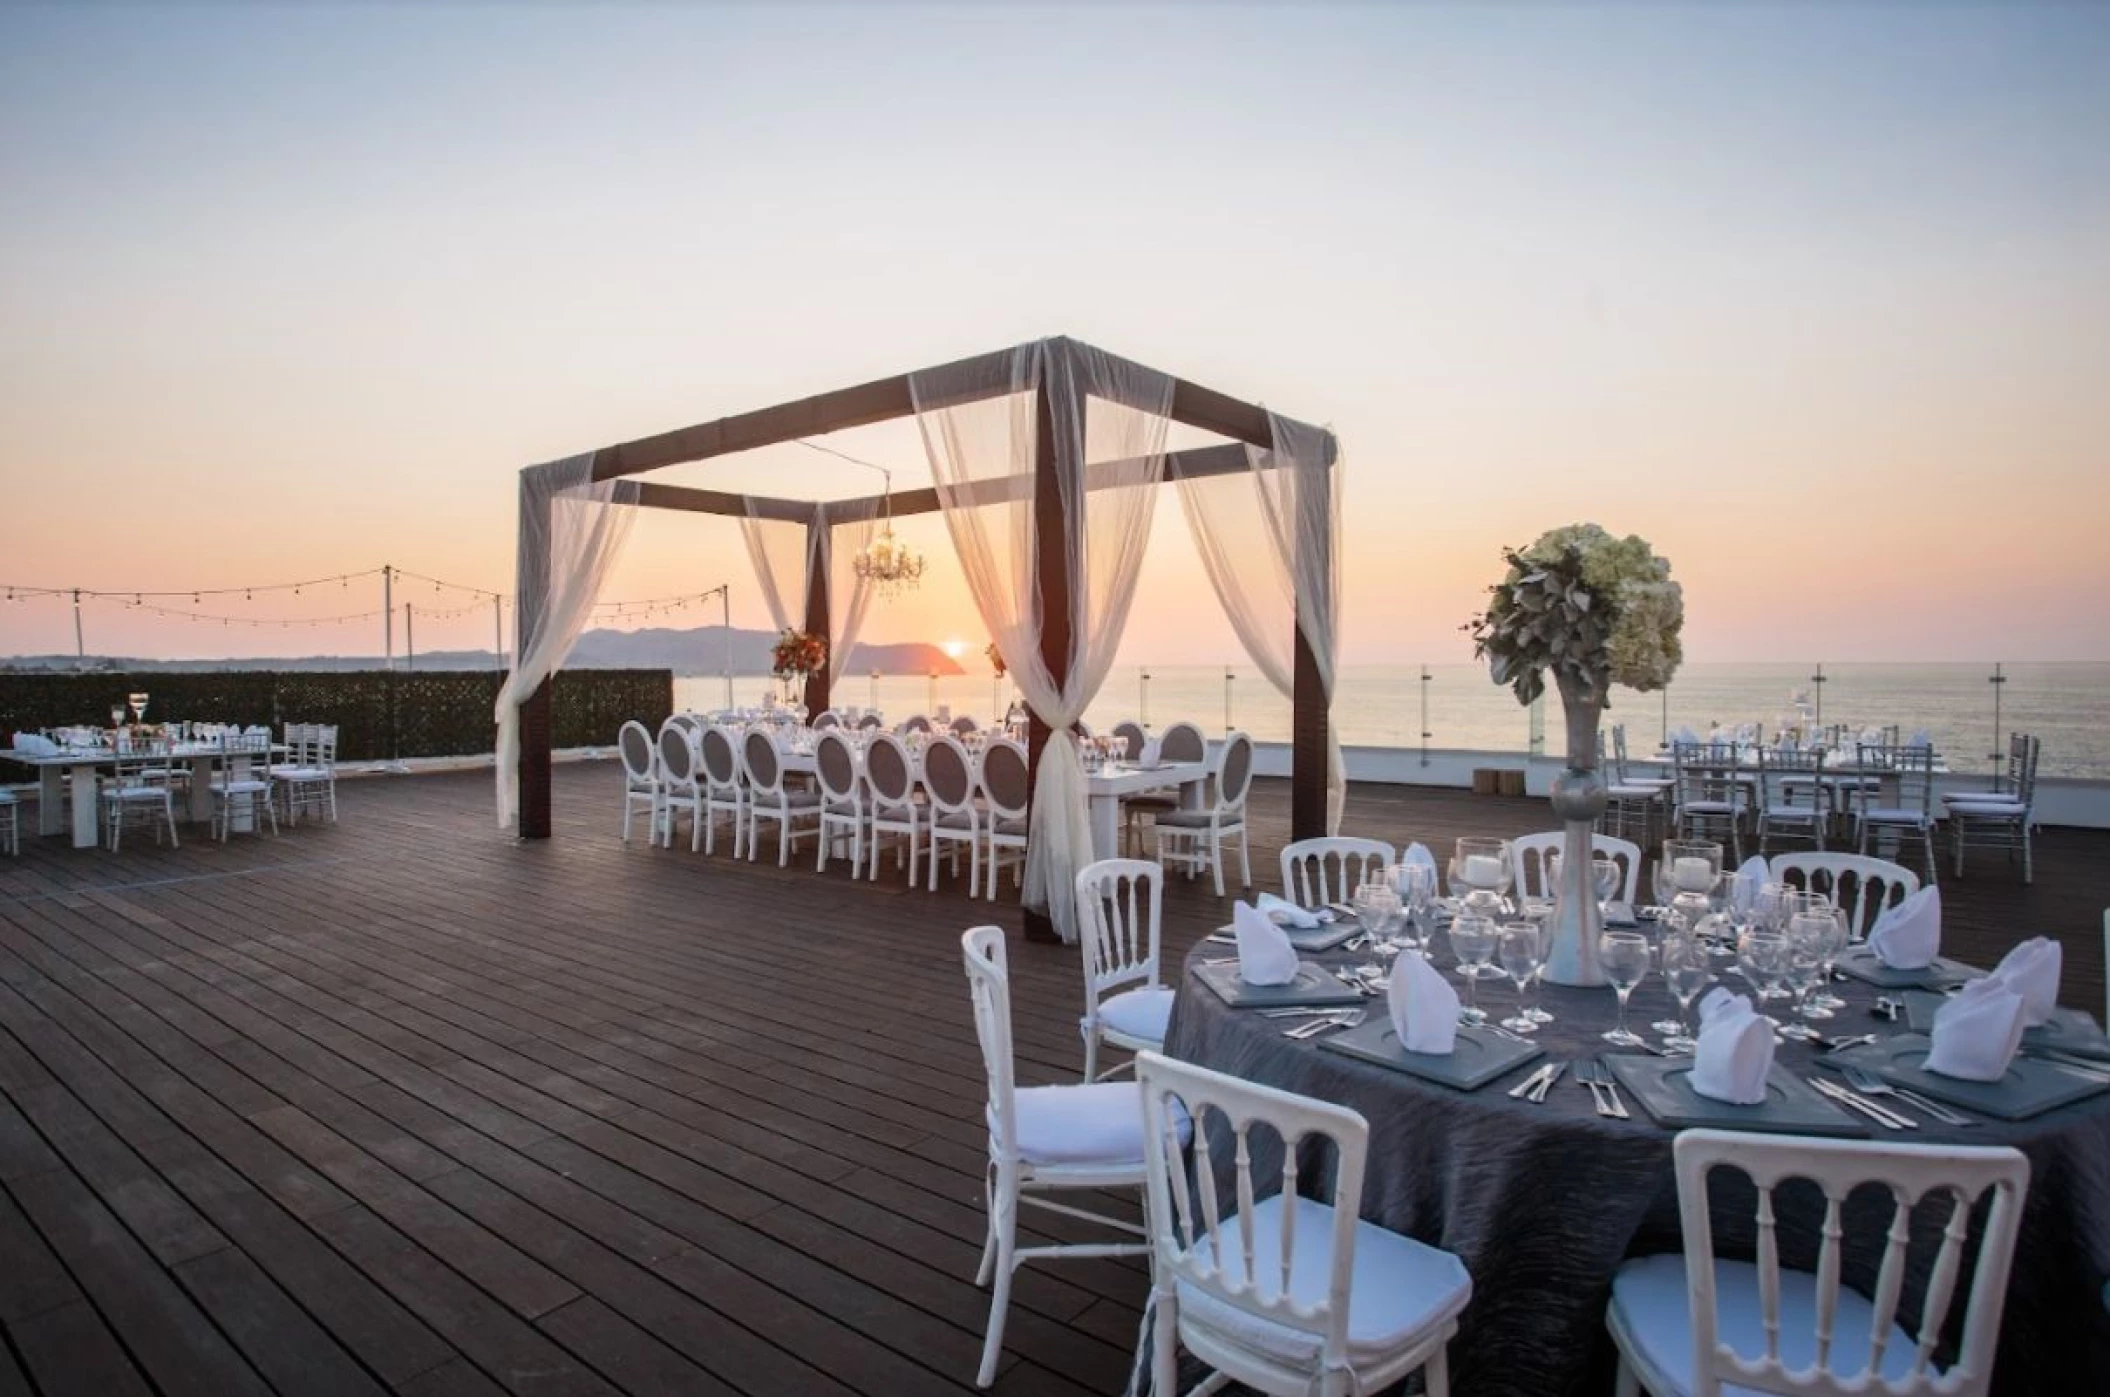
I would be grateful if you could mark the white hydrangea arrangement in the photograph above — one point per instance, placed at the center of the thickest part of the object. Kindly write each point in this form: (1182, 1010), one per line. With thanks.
(1594, 609)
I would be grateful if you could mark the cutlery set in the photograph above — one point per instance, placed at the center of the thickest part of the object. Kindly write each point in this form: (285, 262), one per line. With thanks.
(1534, 1087)
(1881, 1115)
(1603, 1089)
(1326, 1023)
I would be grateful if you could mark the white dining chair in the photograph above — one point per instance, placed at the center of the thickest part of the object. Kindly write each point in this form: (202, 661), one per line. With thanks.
(825, 719)
(1906, 813)
(1695, 1324)
(1711, 794)
(843, 810)
(1120, 909)
(680, 783)
(724, 786)
(1877, 883)
(307, 779)
(1792, 800)
(1194, 839)
(243, 784)
(1182, 742)
(955, 815)
(633, 744)
(914, 723)
(10, 823)
(138, 793)
(1006, 793)
(796, 813)
(2003, 819)
(1041, 1139)
(1288, 1294)
(1532, 857)
(1316, 872)
(890, 776)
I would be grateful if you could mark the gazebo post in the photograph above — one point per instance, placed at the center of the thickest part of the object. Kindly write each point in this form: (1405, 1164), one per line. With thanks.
(534, 766)
(1309, 721)
(817, 553)
(1051, 567)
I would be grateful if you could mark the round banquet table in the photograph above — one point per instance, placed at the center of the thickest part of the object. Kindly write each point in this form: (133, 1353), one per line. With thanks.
(1543, 1202)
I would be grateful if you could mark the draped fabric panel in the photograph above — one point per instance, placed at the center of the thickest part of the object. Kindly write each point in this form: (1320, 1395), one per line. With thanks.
(572, 529)
(1270, 543)
(777, 547)
(1108, 419)
(849, 596)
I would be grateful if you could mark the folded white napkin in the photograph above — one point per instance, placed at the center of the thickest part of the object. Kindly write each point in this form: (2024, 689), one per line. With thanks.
(1735, 1051)
(1871, 737)
(1423, 1006)
(1282, 912)
(35, 744)
(1153, 752)
(2032, 971)
(1920, 738)
(1419, 853)
(1908, 936)
(1976, 1033)
(1265, 956)
(1755, 874)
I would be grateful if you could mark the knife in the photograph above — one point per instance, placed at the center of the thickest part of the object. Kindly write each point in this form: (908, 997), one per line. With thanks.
(1553, 1074)
(1889, 1120)
(1536, 1079)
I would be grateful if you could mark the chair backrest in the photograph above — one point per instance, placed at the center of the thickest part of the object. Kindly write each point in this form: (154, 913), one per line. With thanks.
(1909, 1174)
(1619, 771)
(888, 770)
(869, 722)
(1705, 771)
(989, 986)
(963, 724)
(2022, 754)
(1911, 767)
(827, 718)
(1787, 780)
(1234, 776)
(1120, 903)
(1191, 1238)
(1318, 871)
(322, 746)
(1531, 862)
(918, 723)
(721, 759)
(1877, 883)
(1183, 742)
(835, 765)
(1132, 737)
(948, 774)
(298, 738)
(1004, 777)
(686, 720)
(134, 764)
(640, 765)
(758, 753)
(677, 757)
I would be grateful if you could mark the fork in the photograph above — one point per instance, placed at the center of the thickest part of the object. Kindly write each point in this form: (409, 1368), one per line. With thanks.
(1611, 1088)
(1869, 1084)
(1349, 1019)
(1586, 1075)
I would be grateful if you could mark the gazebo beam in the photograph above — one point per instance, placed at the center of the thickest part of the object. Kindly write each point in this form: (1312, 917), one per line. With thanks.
(1226, 459)
(696, 501)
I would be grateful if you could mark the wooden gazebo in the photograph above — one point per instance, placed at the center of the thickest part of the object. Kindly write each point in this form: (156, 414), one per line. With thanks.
(885, 399)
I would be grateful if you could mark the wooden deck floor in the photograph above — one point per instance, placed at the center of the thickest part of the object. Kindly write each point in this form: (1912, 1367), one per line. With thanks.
(402, 1105)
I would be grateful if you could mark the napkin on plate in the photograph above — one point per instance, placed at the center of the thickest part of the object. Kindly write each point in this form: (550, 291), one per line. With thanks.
(2032, 971)
(1423, 1006)
(1735, 1052)
(1754, 875)
(1908, 936)
(1976, 1033)
(1283, 912)
(1152, 755)
(1265, 956)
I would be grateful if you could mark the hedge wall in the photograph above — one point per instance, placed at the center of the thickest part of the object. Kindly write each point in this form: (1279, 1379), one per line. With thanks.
(380, 714)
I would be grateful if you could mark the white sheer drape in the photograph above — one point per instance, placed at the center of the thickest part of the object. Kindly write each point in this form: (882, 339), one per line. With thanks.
(849, 596)
(777, 547)
(572, 528)
(782, 552)
(1270, 542)
(1108, 421)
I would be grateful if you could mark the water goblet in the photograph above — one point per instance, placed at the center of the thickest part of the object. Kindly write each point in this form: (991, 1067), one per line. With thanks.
(1369, 913)
(1834, 946)
(1762, 959)
(1806, 937)
(1624, 956)
(1687, 973)
(1538, 1013)
(1607, 877)
(1473, 942)
(1521, 952)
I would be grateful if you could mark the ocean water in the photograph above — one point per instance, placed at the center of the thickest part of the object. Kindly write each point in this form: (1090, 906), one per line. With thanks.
(2067, 705)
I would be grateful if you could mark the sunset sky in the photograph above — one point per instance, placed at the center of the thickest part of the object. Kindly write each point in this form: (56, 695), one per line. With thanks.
(1815, 297)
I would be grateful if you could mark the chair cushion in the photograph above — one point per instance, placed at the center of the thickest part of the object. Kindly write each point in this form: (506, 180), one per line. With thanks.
(1975, 797)
(1399, 1289)
(1890, 815)
(956, 819)
(1095, 1123)
(1633, 792)
(1139, 1013)
(797, 800)
(1150, 802)
(300, 773)
(153, 793)
(240, 788)
(1709, 807)
(1989, 809)
(1191, 819)
(1649, 1302)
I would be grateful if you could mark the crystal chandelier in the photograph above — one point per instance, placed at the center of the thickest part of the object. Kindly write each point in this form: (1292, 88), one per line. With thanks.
(890, 565)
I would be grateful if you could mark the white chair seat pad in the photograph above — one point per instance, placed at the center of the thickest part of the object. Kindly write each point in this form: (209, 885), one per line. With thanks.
(1399, 1288)
(300, 773)
(1710, 807)
(1791, 812)
(240, 788)
(1991, 809)
(153, 793)
(1098, 1123)
(898, 813)
(1974, 797)
(795, 800)
(1649, 1295)
(1191, 819)
(1888, 815)
(1633, 792)
(1138, 1013)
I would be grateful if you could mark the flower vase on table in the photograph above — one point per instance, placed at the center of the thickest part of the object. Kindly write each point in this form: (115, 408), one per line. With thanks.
(1579, 799)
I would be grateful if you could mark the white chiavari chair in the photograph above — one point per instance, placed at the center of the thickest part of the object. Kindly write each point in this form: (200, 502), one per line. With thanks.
(1316, 872)
(1906, 812)
(1120, 907)
(243, 784)
(2003, 820)
(138, 793)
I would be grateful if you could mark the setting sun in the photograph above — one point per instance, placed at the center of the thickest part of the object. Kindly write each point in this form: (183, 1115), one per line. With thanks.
(954, 648)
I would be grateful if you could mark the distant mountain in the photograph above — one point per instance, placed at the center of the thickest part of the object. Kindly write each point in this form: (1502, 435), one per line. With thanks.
(701, 650)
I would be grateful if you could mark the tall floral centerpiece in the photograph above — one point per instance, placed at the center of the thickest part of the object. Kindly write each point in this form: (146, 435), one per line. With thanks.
(1596, 611)
(796, 655)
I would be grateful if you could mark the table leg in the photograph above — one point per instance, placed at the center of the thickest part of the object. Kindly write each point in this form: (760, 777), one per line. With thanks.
(51, 799)
(84, 806)
(200, 811)
(1106, 826)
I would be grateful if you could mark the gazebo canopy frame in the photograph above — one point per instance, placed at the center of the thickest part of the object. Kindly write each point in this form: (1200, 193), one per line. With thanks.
(886, 399)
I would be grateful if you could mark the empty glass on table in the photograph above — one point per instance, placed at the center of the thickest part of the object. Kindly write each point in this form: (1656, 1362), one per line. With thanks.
(1520, 949)
(1480, 874)
(1624, 956)
(1473, 942)
(1686, 971)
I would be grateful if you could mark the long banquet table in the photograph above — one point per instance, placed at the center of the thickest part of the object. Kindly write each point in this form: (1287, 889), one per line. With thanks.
(77, 768)
(1544, 1202)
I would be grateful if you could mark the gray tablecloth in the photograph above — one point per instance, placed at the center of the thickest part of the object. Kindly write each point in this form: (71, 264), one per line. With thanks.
(1544, 1202)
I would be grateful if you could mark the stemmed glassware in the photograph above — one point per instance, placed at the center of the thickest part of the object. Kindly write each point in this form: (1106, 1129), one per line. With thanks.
(1473, 941)
(1481, 869)
(1807, 936)
(117, 716)
(1624, 956)
(138, 702)
(1377, 908)
(1416, 884)
(1687, 972)
(1762, 959)
(1520, 949)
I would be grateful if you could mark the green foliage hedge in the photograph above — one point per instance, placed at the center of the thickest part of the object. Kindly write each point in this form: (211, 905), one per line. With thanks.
(380, 714)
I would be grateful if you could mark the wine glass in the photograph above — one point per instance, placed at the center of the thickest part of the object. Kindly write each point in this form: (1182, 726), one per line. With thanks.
(1834, 946)
(1607, 877)
(1473, 942)
(1686, 972)
(138, 701)
(1416, 883)
(1624, 956)
(1520, 951)
(1806, 938)
(1369, 903)
(1762, 959)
